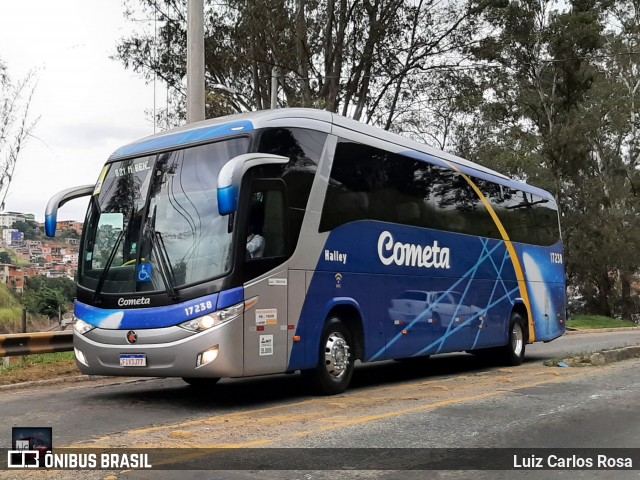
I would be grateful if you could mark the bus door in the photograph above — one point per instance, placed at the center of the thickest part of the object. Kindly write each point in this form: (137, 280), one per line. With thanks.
(265, 270)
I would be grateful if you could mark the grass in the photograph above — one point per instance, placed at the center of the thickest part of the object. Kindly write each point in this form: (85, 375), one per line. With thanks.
(582, 322)
(10, 310)
(6, 297)
(38, 367)
(10, 314)
(45, 358)
(11, 322)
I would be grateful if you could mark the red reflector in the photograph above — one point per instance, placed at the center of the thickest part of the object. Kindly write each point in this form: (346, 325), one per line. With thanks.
(291, 327)
(260, 328)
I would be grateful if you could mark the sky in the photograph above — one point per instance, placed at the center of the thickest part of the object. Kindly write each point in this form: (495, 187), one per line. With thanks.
(88, 104)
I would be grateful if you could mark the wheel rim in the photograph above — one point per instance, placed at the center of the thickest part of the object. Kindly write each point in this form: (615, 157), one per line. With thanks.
(336, 355)
(517, 339)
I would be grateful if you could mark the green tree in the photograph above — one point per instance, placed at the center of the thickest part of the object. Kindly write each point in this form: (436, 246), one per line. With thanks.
(615, 107)
(66, 287)
(357, 58)
(49, 302)
(29, 228)
(541, 116)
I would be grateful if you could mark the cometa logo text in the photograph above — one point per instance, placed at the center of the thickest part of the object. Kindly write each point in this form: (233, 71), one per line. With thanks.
(130, 302)
(408, 254)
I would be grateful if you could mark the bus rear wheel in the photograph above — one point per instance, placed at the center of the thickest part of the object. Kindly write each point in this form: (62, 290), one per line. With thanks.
(333, 373)
(513, 352)
(201, 382)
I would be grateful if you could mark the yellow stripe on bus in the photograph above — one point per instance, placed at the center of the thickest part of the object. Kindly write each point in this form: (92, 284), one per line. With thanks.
(512, 251)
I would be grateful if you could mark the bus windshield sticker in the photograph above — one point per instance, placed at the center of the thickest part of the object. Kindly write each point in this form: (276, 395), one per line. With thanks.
(267, 316)
(103, 174)
(145, 272)
(266, 345)
(131, 169)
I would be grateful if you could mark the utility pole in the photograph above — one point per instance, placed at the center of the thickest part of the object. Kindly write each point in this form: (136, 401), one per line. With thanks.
(275, 75)
(195, 60)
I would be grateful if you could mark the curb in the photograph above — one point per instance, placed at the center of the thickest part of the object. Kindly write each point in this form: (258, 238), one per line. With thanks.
(596, 359)
(48, 381)
(69, 379)
(599, 330)
(616, 355)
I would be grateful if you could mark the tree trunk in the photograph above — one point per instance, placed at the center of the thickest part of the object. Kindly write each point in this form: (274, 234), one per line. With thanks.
(604, 294)
(627, 305)
(302, 54)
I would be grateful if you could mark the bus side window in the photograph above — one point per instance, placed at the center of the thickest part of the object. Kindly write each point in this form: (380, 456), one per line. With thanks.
(303, 149)
(274, 223)
(267, 219)
(356, 186)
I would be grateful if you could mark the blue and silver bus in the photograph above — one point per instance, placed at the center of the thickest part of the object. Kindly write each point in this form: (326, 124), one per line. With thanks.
(370, 247)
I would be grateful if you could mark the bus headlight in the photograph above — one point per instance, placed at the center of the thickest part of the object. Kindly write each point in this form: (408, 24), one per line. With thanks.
(212, 319)
(80, 356)
(207, 356)
(82, 327)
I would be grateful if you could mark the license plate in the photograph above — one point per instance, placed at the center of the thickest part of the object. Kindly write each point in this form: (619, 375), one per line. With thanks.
(133, 360)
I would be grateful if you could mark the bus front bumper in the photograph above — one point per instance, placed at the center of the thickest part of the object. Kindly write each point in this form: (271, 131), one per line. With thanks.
(166, 352)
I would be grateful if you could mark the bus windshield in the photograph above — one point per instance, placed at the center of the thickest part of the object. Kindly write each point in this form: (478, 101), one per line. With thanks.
(153, 223)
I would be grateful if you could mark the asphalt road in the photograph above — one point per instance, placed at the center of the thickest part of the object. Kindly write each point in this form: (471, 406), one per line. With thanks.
(450, 401)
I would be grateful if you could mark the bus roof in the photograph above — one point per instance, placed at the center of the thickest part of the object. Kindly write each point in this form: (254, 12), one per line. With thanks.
(203, 131)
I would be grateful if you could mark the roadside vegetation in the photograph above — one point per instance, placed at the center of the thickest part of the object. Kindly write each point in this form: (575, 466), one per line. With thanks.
(585, 322)
(10, 310)
(37, 367)
(45, 299)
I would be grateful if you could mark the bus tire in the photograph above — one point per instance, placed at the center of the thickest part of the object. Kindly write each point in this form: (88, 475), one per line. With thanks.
(201, 382)
(513, 352)
(333, 373)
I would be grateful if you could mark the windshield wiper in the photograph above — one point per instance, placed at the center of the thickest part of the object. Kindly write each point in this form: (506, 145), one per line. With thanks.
(166, 271)
(164, 262)
(103, 275)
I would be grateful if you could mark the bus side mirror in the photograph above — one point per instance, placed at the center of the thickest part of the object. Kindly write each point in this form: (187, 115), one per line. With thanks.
(231, 174)
(59, 199)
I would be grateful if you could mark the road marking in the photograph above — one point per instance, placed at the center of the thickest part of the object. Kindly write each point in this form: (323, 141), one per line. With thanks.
(219, 419)
(357, 421)
(329, 414)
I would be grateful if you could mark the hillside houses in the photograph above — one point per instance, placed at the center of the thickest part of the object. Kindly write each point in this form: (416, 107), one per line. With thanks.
(12, 276)
(40, 256)
(7, 219)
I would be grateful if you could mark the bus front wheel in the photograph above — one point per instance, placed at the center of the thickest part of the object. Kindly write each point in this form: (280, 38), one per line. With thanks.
(333, 373)
(513, 351)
